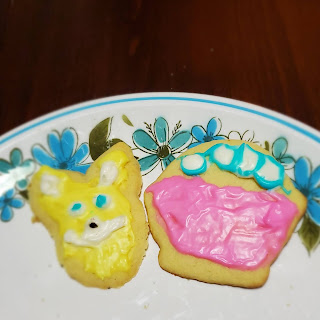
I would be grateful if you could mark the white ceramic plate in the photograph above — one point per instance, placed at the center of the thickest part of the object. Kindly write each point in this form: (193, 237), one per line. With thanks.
(34, 286)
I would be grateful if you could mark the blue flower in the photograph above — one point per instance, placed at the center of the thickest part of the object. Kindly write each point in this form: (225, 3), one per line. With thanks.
(15, 173)
(64, 153)
(279, 149)
(160, 147)
(212, 132)
(308, 183)
(7, 202)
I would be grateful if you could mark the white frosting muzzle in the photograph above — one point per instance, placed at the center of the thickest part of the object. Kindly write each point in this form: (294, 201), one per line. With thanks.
(95, 231)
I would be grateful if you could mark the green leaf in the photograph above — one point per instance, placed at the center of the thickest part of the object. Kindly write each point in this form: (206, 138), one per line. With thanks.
(112, 142)
(24, 194)
(99, 138)
(126, 120)
(267, 145)
(309, 233)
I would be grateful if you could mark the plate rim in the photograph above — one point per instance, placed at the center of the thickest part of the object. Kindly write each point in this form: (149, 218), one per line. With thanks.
(283, 287)
(276, 116)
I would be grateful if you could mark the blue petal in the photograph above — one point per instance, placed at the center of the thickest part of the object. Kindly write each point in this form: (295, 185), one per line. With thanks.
(55, 146)
(5, 166)
(314, 211)
(199, 133)
(15, 157)
(6, 214)
(315, 193)
(43, 157)
(219, 138)
(279, 148)
(16, 203)
(143, 141)
(81, 154)
(194, 144)
(161, 130)
(302, 173)
(166, 161)
(68, 143)
(9, 194)
(315, 179)
(81, 168)
(212, 127)
(148, 162)
(180, 140)
(295, 184)
(22, 184)
(287, 162)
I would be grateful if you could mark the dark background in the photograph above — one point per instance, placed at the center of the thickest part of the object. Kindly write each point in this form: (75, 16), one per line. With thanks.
(57, 53)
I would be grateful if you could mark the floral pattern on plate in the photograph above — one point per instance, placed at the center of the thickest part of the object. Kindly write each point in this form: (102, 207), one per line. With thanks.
(279, 152)
(212, 132)
(64, 151)
(14, 179)
(15, 173)
(160, 146)
(8, 201)
(308, 182)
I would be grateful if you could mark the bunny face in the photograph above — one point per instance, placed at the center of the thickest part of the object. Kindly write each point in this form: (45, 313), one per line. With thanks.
(91, 213)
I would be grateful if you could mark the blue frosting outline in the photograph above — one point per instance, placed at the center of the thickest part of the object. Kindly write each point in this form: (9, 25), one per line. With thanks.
(237, 159)
(195, 172)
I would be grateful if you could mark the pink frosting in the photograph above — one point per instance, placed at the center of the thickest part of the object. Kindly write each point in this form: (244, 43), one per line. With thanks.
(230, 226)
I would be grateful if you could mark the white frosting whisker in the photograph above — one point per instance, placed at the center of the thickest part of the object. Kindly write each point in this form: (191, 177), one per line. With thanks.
(95, 231)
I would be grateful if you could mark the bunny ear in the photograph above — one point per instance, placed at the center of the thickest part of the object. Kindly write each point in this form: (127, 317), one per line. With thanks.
(49, 185)
(108, 173)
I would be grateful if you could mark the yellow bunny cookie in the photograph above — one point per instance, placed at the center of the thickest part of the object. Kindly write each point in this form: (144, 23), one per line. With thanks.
(97, 220)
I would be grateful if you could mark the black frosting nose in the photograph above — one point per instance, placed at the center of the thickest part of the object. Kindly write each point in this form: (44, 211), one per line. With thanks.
(93, 225)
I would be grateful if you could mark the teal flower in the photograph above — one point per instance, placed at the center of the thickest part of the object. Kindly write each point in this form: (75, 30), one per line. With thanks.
(65, 153)
(308, 182)
(279, 151)
(212, 132)
(7, 202)
(159, 145)
(15, 173)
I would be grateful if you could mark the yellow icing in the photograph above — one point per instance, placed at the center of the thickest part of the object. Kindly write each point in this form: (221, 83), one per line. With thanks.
(111, 254)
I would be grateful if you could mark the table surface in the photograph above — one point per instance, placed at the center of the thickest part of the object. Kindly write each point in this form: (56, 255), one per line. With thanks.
(57, 53)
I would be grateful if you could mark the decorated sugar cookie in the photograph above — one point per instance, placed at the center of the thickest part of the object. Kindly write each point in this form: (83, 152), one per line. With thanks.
(96, 219)
(222, 212)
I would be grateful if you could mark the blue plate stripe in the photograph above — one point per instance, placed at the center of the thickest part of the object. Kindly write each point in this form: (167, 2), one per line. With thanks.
(229, 105)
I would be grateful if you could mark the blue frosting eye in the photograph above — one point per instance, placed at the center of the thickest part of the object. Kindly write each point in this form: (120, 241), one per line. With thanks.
(101, 201)
(76, 208)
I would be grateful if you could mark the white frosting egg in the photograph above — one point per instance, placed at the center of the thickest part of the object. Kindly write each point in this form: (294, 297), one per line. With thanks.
(269, 171)
(249, 161)
(193, 162)
(224, 155)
